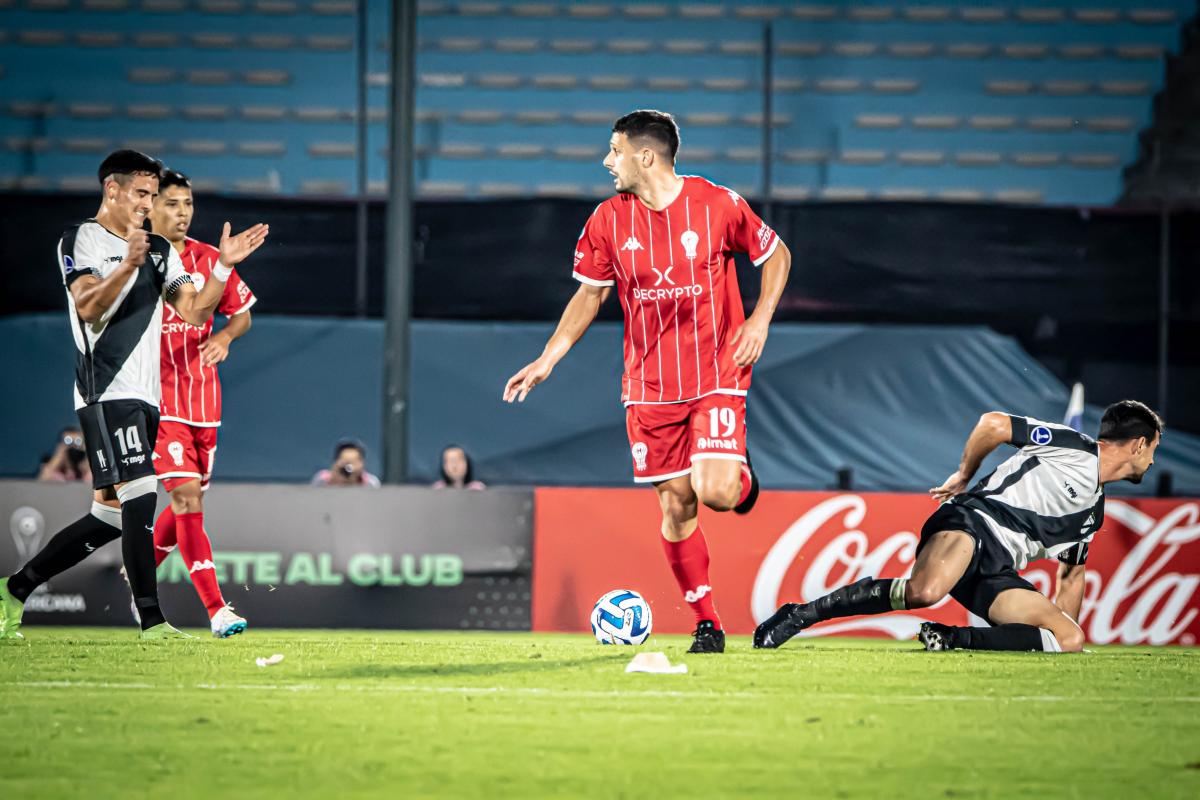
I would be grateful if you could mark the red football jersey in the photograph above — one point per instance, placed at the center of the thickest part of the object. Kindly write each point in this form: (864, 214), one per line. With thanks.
(674, 274)
(191, 391)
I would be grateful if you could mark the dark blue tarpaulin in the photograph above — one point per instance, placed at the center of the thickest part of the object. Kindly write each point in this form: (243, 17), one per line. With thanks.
(892, 403)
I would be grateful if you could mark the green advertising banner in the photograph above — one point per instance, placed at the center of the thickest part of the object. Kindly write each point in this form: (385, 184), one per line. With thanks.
(300, 556)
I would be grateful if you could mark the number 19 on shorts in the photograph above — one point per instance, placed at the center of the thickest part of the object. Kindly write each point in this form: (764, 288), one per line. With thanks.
(721, 422)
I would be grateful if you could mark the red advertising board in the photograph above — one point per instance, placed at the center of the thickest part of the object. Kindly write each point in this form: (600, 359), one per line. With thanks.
(1143, 580)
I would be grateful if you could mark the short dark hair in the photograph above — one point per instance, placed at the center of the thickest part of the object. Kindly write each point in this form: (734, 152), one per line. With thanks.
(170, 177)
(349, 444)
(658, 126)
(124, 163)
(1129, 419)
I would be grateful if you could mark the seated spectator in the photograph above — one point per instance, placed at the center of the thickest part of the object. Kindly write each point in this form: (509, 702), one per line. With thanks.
(456, 470)
(349, 467)
(69, 461)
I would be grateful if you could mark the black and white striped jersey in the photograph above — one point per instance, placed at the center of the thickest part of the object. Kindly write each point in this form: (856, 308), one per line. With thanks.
(1046, 501)
(117, 358)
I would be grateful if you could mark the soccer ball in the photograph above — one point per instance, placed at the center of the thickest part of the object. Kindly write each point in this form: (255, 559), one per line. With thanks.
(621, 617)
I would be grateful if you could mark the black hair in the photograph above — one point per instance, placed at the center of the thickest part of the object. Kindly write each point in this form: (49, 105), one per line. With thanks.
(658, 126)
(170, 177)
(466, 456)
(349, 444)
(123, 163)
(1129, 419)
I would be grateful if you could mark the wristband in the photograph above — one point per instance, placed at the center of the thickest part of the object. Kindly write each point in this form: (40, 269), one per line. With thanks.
(221, 272)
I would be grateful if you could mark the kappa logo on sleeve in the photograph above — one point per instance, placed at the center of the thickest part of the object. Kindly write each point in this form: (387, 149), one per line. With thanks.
(764, 236)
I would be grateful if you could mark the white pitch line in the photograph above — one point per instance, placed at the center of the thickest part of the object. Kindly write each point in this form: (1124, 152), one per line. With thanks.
(585, 693)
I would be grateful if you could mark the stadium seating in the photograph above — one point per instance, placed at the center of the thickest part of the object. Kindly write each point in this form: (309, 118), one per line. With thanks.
(960, 101)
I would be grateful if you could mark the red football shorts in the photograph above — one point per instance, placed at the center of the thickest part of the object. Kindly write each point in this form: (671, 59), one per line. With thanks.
(184, 453)
(665, 438)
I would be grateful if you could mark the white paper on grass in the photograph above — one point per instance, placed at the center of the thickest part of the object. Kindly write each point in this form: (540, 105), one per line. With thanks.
(268, 662)
(655, 664)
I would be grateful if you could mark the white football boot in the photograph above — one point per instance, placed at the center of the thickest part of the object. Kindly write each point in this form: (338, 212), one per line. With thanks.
(225, 623)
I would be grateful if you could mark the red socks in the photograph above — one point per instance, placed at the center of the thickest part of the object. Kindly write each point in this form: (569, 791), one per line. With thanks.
(164, 535)
(747, 483)
(196, 550)
(689, 562)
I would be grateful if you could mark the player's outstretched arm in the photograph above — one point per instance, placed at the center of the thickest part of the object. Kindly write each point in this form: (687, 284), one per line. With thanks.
(576, 318)
(94, 296)
(1069, 594)
(994, 429)
(197, 308)
(751, 337)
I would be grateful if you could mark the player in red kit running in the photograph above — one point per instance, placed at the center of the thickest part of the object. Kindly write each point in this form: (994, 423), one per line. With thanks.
(191, 403)
(665, 243)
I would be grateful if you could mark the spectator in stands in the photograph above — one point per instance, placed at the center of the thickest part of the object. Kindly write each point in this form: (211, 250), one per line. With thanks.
(349, 467)
(456, 470)
(69, 461)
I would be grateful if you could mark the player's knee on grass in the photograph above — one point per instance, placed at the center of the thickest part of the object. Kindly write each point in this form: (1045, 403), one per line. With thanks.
(1071, 641)
(187, 499)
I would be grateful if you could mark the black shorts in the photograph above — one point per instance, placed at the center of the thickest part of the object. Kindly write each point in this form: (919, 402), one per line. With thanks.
(991, 570)
(119, 436)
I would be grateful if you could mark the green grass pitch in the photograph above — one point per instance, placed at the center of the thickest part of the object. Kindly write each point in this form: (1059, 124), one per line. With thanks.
(95, 713)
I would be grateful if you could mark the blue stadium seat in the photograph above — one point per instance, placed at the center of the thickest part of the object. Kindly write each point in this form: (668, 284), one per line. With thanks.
(963, 99)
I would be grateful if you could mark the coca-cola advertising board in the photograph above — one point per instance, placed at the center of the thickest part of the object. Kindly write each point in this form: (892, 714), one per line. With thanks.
(1143, 577)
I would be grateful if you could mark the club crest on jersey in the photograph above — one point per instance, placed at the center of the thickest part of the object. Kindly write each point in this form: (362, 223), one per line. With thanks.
(632, 244)
(1040, 435)
(640, 451)
(157, 261)
(689, 240)
(198, 280)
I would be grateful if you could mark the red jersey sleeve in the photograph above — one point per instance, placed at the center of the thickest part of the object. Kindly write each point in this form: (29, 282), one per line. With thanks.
(593, 254)
(237, 297)
(748, 233)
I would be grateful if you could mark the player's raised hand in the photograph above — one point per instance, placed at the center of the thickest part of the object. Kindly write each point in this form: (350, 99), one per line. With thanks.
(234, 249)
(750, 338)
(519, 385)
(956, 484)
(139, 246)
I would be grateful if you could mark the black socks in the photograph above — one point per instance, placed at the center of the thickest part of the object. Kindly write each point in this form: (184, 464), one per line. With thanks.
(866, 596)
(1012, 636)
(137, 547)
(68, 547)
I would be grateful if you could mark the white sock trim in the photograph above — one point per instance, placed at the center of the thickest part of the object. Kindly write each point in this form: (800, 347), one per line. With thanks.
(1049, 643)
(137, 488)
(107, 514)
(896, 595)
